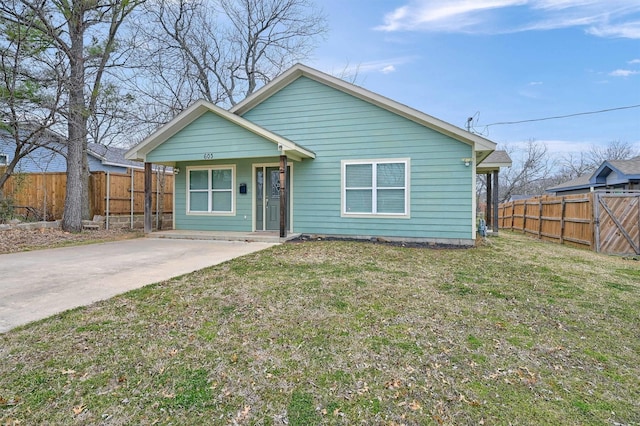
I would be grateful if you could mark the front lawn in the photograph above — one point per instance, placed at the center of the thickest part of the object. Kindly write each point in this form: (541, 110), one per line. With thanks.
(514, 332)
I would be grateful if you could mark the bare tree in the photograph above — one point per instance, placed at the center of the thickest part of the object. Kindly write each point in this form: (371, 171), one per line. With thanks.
(82, 34)
(529, 173)
(615, 150)
(576, 165)
(222, 54)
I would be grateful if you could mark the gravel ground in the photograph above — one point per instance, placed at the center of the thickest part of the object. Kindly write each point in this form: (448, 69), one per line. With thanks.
(14, 240)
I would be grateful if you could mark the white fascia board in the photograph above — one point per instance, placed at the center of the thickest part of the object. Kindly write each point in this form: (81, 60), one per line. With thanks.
(494, 165)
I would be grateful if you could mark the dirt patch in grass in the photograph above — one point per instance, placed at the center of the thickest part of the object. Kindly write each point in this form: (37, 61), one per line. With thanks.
(15, 240)
(514, 332)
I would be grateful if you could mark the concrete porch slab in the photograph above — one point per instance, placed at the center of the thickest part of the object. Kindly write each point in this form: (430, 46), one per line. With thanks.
(262, 237)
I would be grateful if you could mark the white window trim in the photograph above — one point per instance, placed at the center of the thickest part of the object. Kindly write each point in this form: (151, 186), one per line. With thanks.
(374, 162)
(209, 190)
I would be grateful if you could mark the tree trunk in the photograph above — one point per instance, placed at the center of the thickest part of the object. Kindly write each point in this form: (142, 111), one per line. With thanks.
(72, 216)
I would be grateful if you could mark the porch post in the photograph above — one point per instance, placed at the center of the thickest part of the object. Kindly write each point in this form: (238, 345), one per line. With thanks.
(283, 196)
(495, 201)
(488, 217)
(147, 197)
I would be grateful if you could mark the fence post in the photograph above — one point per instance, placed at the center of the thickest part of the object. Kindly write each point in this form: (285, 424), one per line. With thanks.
(540, 218)
(513, 213)
(563, 204)
(147, 198)
(596, 220)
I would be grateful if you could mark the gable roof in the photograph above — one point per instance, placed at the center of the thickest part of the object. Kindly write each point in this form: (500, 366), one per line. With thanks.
(483, 146)
(626, 170)
(494, 161)
(180, 121)
(629, 169)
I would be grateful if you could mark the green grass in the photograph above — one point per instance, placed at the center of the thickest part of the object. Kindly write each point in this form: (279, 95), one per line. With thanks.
(516, 331)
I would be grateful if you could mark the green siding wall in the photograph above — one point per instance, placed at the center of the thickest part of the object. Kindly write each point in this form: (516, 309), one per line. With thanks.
(242, 221)
(212, 134)
(339, 127)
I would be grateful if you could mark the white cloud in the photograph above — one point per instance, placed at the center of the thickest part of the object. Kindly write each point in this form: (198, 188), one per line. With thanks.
(444, 15)
(603, 18)
(623, 73)
(534, 83)
(388, 69)
(634, 61)
(384, 66)
(624, 30)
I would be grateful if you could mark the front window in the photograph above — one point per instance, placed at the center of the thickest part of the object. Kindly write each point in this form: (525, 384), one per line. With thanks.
(211, 189)
(376, 187)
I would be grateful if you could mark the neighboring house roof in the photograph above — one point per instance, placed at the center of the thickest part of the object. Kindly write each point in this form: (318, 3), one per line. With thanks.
(577, 183)
(494, 161)
(112, 156)
(625, 171)
(101, 156)
(180, 121)
(483, 146)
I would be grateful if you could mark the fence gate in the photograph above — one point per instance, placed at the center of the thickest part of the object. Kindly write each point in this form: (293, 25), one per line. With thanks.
(617, 219)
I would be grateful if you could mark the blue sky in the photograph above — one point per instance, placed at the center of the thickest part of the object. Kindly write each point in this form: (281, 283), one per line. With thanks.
(498, 61)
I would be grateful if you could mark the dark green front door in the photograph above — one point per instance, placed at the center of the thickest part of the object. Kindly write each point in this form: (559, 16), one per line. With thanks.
(273, 199)
(268, 198)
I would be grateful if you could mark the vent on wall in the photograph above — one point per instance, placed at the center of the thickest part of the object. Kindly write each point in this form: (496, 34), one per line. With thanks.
(4, 159)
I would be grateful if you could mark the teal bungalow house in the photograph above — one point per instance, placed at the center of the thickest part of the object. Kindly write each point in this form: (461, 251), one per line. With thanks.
(312, 154)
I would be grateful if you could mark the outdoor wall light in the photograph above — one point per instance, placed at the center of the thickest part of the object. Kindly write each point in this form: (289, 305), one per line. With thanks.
(466, 161)
(176, 170)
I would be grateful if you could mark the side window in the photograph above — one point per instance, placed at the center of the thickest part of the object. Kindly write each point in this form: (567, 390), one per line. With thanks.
(375, 187)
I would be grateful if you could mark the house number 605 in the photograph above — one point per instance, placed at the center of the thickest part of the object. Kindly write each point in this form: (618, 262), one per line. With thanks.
(208, 155)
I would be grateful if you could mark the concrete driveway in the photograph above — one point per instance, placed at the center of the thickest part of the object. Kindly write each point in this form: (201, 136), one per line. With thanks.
(38, 284)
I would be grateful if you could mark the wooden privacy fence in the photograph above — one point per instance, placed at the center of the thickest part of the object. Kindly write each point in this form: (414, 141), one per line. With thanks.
(110, 194)
(607, 222)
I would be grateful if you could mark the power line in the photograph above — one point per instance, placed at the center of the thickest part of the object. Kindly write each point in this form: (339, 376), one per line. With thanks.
(562, 116)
